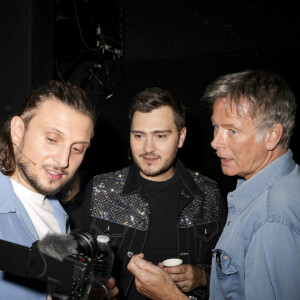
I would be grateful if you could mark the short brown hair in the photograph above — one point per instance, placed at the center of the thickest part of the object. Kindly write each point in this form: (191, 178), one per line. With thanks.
(153, 98)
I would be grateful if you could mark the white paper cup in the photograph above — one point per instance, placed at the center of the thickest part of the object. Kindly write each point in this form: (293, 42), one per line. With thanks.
(171, 262)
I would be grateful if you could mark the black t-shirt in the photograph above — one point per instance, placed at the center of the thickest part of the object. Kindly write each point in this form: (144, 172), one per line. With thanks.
(165, 202)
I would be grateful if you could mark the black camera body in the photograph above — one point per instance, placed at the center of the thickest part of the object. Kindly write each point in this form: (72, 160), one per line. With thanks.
(71, 274)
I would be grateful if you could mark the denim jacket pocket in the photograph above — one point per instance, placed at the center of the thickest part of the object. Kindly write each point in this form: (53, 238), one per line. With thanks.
(228, 274)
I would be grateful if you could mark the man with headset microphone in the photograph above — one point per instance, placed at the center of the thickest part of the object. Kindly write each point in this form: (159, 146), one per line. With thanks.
(41, 149)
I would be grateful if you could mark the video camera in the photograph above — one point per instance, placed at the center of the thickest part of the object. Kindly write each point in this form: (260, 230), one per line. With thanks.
(65, 261)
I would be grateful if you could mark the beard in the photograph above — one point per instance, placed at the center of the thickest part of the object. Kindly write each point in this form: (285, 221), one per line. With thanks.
(34, 182)
(165, 167)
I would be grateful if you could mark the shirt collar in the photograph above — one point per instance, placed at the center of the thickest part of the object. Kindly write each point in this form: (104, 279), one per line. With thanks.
(247, 190)
(26, 195)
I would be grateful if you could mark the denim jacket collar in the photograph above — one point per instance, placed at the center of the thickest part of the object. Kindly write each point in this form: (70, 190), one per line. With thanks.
(248, 190)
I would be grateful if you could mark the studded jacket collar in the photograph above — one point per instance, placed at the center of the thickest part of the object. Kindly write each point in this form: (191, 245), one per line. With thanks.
(133, 181)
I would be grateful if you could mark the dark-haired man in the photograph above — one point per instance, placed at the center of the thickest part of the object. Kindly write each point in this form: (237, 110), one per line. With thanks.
(157, 206)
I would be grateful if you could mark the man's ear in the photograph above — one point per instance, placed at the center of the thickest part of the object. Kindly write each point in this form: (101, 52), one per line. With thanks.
(17, 130)
(182, 137)
(273, 137)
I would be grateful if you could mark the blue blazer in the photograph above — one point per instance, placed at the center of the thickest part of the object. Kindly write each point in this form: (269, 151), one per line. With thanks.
(16, 227)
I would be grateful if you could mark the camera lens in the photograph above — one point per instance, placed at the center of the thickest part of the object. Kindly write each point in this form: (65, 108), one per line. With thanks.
(87, 243)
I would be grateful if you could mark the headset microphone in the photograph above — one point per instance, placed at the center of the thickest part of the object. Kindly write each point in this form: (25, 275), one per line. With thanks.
(25, 155)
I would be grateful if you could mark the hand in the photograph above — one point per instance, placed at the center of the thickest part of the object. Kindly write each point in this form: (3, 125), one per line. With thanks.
(98, 293)
(112, 288)
(186, 277)
(152, 281)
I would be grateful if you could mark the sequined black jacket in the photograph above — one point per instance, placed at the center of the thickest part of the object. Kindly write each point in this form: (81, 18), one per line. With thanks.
(120, 210)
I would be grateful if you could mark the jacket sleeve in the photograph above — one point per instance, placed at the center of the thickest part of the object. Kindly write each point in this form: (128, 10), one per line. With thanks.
(272, 263)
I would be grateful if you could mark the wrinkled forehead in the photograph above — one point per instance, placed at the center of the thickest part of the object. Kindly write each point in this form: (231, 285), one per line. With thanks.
(241, 107)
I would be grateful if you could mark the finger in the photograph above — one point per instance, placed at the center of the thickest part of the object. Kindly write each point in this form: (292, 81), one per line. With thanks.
(178, 278)
(132, 266)
(140, 267)
(184, 286)
(160, 265)
(144, 264)
(113, 292)
(111, 282)
(141, 255)
(132, 260)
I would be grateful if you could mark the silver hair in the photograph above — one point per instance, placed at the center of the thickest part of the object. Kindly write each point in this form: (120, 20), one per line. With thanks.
(269, 100)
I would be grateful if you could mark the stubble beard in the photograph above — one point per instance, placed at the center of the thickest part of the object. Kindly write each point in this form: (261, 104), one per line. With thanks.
(33, 180)
(167, 164)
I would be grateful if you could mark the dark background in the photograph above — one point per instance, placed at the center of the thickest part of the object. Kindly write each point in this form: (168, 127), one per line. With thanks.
(177, 45)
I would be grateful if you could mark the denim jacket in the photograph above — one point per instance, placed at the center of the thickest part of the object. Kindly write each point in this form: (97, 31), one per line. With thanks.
(120, 210)
(258, 254)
